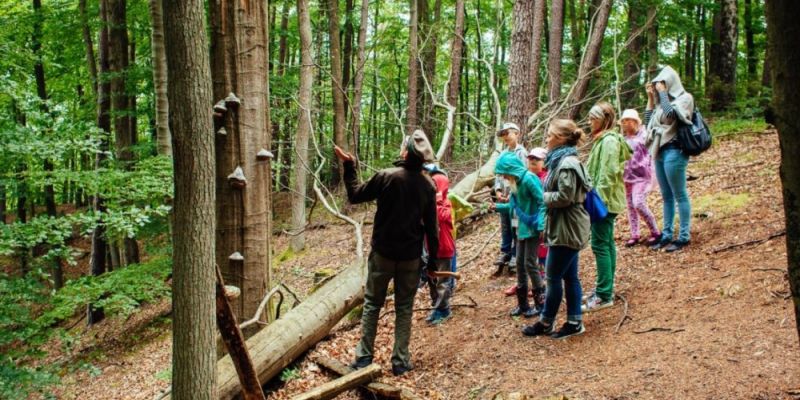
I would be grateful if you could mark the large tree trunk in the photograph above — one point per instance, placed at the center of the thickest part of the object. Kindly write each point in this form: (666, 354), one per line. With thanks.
(539, 17)
(160, 79)
(194, 277)
(277, 345)
(721, 84)
(652, 42)
(519, 102)
(243, 206)
(339, 120)
(784, 34)
(413, 70)
(284, 136)
(590, 58)
(430, 38)
(99, 241)
(454, 83)
(750, 47)
(301, 165)
(358, 83)
(636, 42)
(556, 42)
(347, 63)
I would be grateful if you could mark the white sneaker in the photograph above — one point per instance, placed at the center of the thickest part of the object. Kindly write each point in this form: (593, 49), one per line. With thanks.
(594, 303)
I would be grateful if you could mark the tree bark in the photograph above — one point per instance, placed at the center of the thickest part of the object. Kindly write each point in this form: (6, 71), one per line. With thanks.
(243, 206)
(193, 293)
(338, 90)
(347, 63)
(784, 32)
(98, 263)
(429, 54)
(159, 60)
(750, 45)
(301, 164)
(519, 102)
(652, 42)
(358, 83)
(454, 82)
(413, 70)
(590, 58)
(636, 42)
(284, 136)
(721, 84)
(539, 17)
(556, 42)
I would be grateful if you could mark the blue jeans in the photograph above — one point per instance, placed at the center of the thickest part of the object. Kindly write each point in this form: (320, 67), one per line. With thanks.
(562, 264)
(508, 240)
(453, 268)
(671, 166)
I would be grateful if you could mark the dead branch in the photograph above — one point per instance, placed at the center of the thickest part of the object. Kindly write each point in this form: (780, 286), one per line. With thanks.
(770, 269)
(342, 384)
(625, 315)
(380, 389)
(660, 329)
(749, 242)
(483, 247)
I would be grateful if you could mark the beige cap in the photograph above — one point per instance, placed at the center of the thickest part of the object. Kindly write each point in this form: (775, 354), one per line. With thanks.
(631, 114)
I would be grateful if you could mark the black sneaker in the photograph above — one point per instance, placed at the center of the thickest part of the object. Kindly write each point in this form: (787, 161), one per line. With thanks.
(676, 245)
(361, 363)
(529, 313)
(663, 242)
(503, 259)
(569, 329)
(398, 370)
(537, 329)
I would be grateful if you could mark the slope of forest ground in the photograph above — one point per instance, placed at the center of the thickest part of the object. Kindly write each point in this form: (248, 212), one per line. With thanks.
(714, 321)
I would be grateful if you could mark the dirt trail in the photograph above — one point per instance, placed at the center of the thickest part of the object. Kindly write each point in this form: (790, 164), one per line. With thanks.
(702, 324)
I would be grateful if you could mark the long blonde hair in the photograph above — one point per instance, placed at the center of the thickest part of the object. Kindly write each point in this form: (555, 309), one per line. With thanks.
(567, 130)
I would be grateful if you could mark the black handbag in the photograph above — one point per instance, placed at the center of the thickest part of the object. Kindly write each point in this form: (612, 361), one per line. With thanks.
(694, 138)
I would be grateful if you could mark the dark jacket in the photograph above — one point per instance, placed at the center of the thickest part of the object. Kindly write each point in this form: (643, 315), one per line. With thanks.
(406, 209)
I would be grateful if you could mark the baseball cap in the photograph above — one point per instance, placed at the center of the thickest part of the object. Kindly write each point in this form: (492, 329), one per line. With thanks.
(630, 114)
(507, 126)
(538, 153)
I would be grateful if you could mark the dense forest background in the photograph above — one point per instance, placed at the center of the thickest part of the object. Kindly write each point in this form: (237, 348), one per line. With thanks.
(86, 175)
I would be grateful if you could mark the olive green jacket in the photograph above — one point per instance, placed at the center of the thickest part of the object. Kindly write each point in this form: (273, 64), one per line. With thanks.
(567, 221)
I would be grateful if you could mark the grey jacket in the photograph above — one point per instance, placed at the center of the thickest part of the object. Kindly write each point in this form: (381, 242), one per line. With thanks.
(567, 221)
(662, 126)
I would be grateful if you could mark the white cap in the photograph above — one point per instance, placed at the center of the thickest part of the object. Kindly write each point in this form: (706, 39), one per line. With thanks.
(631, 114)
(507, 126)
(538, 152)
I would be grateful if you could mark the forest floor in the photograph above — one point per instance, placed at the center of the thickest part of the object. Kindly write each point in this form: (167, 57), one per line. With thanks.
(707, 322)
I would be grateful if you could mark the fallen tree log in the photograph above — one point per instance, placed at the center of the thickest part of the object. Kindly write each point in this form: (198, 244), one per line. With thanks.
(344, 383)
(283, 340)
(477, 180)
(380, 389)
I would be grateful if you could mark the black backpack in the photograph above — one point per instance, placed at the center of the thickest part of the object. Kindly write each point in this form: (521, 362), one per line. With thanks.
(694, 138)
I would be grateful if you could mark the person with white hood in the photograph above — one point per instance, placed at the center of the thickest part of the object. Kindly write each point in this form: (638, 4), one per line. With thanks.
(667, 105)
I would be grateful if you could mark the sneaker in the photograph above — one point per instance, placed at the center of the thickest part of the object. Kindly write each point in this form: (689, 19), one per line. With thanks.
(529, 313)
(503, 259)
(587, 295)
(632, 242)
(662, 242)
(441, 317)
(361, 363)
(512, 266)
(653, 239)
(510, 291)
(537, 329)
(398, 370)
(569, 329)
(595, 303)
(432, 316)
(676, 246)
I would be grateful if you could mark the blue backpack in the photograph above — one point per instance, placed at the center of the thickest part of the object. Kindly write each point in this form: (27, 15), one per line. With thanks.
(595, 206)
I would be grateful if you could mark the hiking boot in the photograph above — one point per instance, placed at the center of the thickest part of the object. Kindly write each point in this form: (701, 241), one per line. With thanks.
(441, 317)
(676, 246)
(662, 242)
(398, 370)
(503, 259)
(361, 363)
(523, 308)
(632, 242)
(510, 291)
(538, 297)
(512, 266)
(595, 303)
(569, 329)
(537, 329)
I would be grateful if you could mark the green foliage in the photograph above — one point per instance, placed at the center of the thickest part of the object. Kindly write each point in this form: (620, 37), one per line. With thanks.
(289, 374)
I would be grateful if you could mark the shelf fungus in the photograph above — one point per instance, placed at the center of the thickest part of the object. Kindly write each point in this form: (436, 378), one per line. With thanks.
(232, 101)
(237, 179)
(264, 155)
(236, 256)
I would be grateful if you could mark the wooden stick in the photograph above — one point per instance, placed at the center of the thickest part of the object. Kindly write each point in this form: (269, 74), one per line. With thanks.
(342, 384)
(381, 389)
(749, 242)
(234, 342)
(483, 247)
(625, 315)
(445, 274)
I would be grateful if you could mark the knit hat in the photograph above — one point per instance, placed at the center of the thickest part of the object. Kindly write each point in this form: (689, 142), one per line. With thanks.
(539, 153)
(419, 145)
(631, 114)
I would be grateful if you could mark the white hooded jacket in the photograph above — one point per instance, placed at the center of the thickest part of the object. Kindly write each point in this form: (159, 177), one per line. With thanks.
(661, 128)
